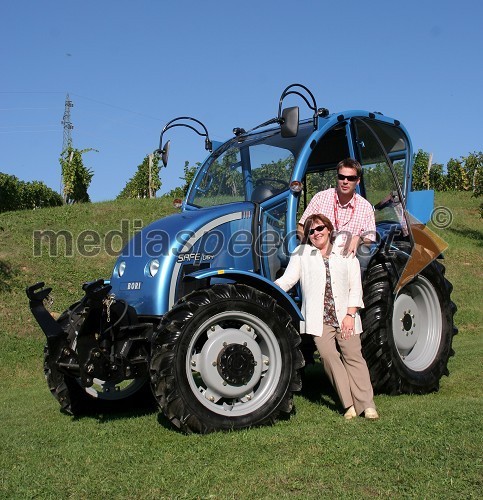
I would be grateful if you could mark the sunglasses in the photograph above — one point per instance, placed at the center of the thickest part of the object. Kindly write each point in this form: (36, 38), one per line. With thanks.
(318, 229)
(350, 178)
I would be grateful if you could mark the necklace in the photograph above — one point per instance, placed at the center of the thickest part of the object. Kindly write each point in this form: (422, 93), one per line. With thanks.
(336, 204)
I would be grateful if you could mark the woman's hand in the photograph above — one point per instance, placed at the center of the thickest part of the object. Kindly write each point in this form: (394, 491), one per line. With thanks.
(347, 327)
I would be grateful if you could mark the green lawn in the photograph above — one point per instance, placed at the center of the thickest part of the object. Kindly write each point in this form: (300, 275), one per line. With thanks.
(422, 447)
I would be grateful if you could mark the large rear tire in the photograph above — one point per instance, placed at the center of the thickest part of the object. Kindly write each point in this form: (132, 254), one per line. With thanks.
(407, 337)
(225, 358)
(102, 396)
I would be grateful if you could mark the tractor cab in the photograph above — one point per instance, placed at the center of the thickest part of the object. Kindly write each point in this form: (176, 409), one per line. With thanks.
(279, 168)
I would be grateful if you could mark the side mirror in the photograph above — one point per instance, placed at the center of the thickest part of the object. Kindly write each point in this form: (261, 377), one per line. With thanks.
(290, 122)
(165, 153)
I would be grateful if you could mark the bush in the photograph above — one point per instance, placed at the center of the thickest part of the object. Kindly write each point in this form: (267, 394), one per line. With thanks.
(19, 195)
(142, 184)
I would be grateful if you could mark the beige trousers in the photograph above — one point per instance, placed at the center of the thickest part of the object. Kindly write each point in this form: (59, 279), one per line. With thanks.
(347, 370)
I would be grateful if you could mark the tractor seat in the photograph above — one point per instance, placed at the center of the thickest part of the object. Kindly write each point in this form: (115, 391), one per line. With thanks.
(261, 193)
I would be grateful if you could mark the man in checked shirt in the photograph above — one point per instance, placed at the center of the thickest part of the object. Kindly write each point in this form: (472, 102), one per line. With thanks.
(351, 214)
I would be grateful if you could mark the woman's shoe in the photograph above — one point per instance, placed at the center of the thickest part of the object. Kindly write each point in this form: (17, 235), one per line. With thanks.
(371, 413)
(350, 413)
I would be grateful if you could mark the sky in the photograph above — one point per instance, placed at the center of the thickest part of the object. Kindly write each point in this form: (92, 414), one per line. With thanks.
(131, 66)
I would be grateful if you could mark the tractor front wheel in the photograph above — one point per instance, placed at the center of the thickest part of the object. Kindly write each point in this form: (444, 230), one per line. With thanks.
(225, 358)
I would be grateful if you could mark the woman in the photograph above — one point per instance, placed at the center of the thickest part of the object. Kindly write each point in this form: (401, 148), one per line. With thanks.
(332, 296)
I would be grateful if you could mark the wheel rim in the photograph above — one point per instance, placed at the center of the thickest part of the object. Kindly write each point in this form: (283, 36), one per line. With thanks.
(111, 391)
(233, 363)
(417, 324)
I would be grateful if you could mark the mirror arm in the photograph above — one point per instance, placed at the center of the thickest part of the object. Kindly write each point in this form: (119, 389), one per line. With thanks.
(264, 124)
(172, 124)
(313, 106)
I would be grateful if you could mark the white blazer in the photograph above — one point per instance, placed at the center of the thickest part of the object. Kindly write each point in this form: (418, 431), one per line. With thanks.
(307, 266)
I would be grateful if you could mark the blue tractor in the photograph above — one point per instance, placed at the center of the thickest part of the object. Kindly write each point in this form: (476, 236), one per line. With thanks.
(191, 313)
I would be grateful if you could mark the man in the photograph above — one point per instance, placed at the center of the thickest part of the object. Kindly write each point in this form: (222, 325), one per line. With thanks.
(351, 214)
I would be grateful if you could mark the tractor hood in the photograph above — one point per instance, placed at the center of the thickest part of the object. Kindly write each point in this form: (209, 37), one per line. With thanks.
(150, 274)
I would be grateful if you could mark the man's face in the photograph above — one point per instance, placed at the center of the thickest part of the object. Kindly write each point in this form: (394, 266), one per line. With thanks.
(345, 185)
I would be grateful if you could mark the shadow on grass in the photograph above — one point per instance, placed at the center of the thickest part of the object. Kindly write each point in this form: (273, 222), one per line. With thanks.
(165, 422)
(471, 234)
(316, 387)
(7, 272)
(118, 414)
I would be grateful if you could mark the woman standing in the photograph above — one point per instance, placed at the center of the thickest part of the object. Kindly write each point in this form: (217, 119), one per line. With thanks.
(331, 298)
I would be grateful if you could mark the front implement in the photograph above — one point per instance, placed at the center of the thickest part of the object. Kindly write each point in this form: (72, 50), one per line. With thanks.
(97, 352)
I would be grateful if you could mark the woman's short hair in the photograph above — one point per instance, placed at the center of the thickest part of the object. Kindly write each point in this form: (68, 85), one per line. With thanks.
(308, 223)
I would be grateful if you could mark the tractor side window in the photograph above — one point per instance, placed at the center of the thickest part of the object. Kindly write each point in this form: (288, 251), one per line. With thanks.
(378, 184)
(273, 255)
(222, 182)
(244, 172)
(271, 169)
(315, 182)
(321, 174)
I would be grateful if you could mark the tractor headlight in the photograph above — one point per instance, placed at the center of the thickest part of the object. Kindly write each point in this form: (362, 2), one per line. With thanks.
(121, 268)
(154, 267)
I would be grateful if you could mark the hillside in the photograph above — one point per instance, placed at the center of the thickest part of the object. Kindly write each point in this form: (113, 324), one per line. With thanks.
(65, 273)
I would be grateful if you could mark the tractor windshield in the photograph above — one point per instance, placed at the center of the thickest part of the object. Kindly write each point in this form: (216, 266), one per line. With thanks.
(252, 168)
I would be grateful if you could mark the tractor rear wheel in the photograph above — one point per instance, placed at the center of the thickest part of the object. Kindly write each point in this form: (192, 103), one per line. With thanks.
(407, 336)
(225, 358)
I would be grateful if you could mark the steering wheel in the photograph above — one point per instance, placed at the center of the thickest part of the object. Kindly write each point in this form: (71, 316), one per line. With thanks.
(271, 181)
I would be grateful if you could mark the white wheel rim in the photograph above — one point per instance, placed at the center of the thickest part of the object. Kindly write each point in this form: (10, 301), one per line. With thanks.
(417, 324)
(204, 378)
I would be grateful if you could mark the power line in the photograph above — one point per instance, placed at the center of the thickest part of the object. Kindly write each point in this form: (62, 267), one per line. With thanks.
(30, 92)
(120, 108)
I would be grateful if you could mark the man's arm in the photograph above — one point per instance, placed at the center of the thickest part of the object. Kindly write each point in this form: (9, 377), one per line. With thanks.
(367, 233)
(351, 249)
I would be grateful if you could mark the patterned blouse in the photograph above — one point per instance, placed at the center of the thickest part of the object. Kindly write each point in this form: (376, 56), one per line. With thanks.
(330, 317)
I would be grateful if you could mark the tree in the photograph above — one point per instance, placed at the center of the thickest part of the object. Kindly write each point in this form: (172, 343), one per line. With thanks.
(36, 194)
(437, 179)
(473, 166)
(189, 174)
(76, 178)
(420, 171)
(426, 176)
(9, 193)
(456, 176)
(144, 183)
(19, 195)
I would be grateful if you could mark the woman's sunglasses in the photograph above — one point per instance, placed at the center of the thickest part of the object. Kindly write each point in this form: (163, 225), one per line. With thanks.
(318, 229)
(350, 178)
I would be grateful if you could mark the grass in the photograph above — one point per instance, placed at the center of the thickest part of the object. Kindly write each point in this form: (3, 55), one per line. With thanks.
(422, 447)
